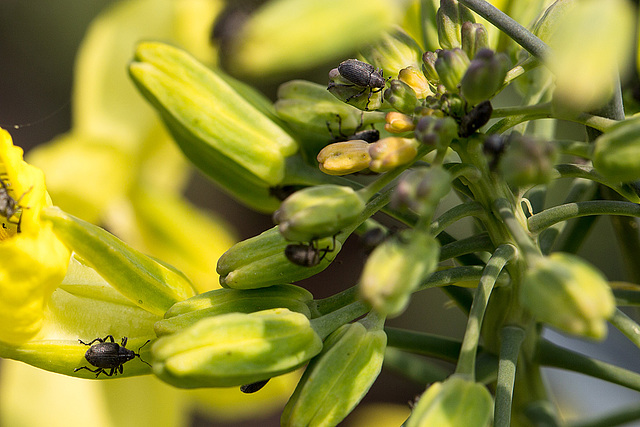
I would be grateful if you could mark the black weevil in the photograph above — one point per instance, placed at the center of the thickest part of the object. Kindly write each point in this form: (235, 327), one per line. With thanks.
(362, 75)
(107, 354)
(307, 254)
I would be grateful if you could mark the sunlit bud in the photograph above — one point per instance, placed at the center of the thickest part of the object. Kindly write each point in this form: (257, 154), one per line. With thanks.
(416, 79)
(474, 38)
(343, 158)
(527, 161)
(393, 52)
(453, 403)
(316, 212)
(450, 18)
(362, 97)
(260, 261)
(437, 132)
(337, 378)
(429, 66)
(235, 349)
(401, 96)
(451, 66)
(568, 293)
(484, 76)
(398, 122)
(422, 189)
(392, 152)
(222, 301)
(396, 268)
(617, 151)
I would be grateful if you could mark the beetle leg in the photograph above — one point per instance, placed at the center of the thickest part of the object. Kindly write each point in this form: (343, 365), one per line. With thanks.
(89, 343)
(110, 337)
(124, 342)
(96, 371)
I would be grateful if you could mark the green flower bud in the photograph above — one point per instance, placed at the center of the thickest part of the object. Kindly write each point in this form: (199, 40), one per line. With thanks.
(474, 38)
(260, 261)
(308, 108)
(235, 349)
(617, 151)
(570, 294)
(226, 135)
(316, 212)
(147, 283)
(527, 161)
(362, 97)
(398, 122)
(416, 79)
(401, 96)
(437, 132)
(484, 76)
(337, 378)
(429, 67)
(275, 40)
(453, 403)
(343, 158)
(396, 268)
(222, 301)
(422, 189)
(389, 153)
(451, 66)
(451, 15)
(393, 52)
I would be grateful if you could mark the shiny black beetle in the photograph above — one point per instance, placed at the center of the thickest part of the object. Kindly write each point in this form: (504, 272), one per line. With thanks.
(107, 354)
(362, 75)
(307, 254)
(8, 205)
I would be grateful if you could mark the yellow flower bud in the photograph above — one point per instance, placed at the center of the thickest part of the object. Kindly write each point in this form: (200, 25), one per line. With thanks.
(398, 123)
(343, 158)
(416, 80)
(391, 152)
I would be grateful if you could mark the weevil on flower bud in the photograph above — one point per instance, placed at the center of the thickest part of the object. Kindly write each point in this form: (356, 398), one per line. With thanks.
(358, 74)
(307, 254)
(107, 354)
(9, 206)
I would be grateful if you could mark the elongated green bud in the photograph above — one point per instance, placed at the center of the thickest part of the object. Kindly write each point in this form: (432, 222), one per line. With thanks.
(474, 38)
(453, 403)
(393, 52)
(527, 161)
(235, 349)
(260, 261)
(422, 189)
(568, 293)
(436, 131)
(617, 151)
(147, 283)
(451, 66)
(223, 133)
(396, 268)
(316, 212)
(484, 76)
(223, 301)
(429, 67)
(337, 378)
(401, 96)
(450, 17)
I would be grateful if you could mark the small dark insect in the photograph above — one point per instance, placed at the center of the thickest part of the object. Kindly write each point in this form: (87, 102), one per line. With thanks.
(8, 205)
(362, 75)
(107, 354)
(475, 119)
(307, 254)
(253, 387)
(493, 147)
(368, 135)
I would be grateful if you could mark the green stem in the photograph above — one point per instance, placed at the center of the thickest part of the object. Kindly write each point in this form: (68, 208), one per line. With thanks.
(478, 243)
(337, 301)
(503, 210)
(552, 355)
(545, 108)
(467, 273)
(556, 214)
(467, 361)
(627, 297)
(328, 323)
(513, 29)
(457, 213)
(443, 348)
(588, 172)
(413, 367)
(617, 418)
(511, 120)
(627, 326)
(511, 338)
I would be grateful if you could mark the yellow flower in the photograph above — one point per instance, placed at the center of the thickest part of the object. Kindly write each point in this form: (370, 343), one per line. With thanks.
(34, 261)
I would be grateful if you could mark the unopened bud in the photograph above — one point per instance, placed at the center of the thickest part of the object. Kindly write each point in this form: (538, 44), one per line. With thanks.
(389, 153)
(416, 79)
(570, 294)
(453, 403)
(429, 67)
(401, 96)
(393, 52)
(617, 151)
(398, 123)
(450, 17)
(527, 161)
(422, 189)
(484, 76)
(316, 212)
(474, 38)
(437, 132)
(396, 268)
(451, 66)
(343, 158)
